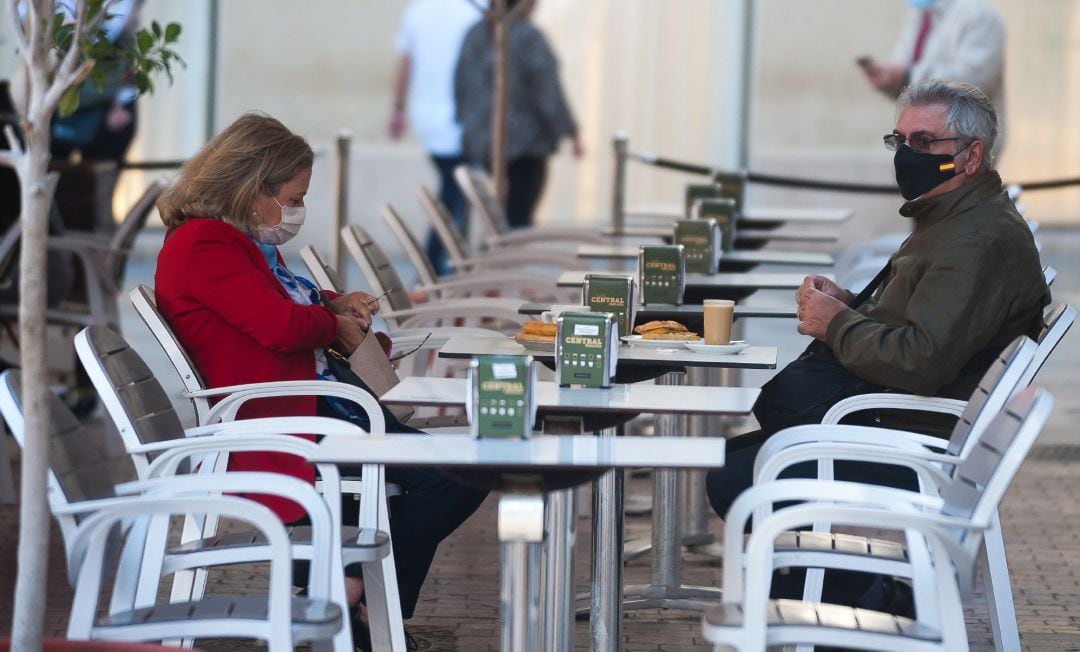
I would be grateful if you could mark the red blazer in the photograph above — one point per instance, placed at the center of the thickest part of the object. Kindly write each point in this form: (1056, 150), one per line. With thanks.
(238, 325)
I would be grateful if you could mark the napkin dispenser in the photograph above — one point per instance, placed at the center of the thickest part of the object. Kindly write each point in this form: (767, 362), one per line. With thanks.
(701, 244)
(586, 349)
(696, 191)
(502, 403)
(662, 273)
(614, 294)
(723, 211)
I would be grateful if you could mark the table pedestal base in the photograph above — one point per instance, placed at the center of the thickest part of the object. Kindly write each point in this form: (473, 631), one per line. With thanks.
(521, 530)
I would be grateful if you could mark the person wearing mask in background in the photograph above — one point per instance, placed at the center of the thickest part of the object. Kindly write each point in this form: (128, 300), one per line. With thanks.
(537, 114)
(959, 40)
(965, 284)
(428, 42)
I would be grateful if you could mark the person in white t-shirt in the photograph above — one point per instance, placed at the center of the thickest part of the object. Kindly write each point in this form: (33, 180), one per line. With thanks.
(429, 41)
(954, 40)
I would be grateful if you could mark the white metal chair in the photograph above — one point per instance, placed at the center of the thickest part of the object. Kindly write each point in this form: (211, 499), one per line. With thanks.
(400, 312)
(102, 260)
(943, 532)
(463, 258)
(477, 186)
(144, 416)
(1015, 368)
(470, 283)
(84, 499)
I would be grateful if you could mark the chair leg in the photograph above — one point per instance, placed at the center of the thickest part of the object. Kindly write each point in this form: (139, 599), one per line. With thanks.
(7, 478)
(999, 590)
(384, 605)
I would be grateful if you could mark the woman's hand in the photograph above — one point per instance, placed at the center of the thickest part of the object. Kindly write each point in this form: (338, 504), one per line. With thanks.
(359, 306)
(348, 335)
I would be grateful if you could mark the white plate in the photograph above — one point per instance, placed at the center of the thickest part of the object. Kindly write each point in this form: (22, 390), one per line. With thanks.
(717, 349)
(639, 341)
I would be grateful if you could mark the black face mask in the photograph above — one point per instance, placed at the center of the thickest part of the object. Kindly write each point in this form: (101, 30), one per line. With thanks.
(918, 174)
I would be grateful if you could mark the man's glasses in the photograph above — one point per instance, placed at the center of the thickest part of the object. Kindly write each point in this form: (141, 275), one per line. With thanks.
(919, 142)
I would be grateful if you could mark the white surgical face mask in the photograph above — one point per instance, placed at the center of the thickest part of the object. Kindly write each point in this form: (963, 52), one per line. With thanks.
(292, 218)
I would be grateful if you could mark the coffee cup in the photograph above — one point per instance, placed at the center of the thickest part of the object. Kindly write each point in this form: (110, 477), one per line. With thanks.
(718, 314)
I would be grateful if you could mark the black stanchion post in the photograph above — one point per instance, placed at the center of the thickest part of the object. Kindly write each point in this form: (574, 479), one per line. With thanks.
(618, 186)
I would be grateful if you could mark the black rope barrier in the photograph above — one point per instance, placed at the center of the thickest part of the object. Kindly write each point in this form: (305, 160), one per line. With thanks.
(817, 184)
(151, 165)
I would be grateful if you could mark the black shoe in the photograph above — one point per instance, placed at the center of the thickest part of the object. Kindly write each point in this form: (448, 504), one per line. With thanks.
(410, 642)
(899, 598)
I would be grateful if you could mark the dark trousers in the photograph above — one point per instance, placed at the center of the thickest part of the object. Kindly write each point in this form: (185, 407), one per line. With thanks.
(431, 507)
(525, 178)
(454, 200)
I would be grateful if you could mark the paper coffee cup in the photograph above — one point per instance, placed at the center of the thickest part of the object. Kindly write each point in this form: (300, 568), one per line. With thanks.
(718, 314)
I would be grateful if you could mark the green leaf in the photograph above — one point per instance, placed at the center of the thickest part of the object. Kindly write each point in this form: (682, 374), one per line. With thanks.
(156, 26)
(145, 41)
(172, 32)
(69, 102)
(142, 82)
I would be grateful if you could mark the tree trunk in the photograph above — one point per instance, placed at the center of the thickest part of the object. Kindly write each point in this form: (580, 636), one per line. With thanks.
(499, 101)
(33, 556)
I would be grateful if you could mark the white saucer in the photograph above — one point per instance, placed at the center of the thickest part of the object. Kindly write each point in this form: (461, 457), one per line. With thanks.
(717, 349)
(640, 342)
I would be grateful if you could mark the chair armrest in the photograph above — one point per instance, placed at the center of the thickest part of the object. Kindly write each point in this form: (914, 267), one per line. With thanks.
(841, 433)
(889, 401)
(486, 307)
(547, 235)
(923, 463)
(524, 257)
(236, 395)
(491, 282)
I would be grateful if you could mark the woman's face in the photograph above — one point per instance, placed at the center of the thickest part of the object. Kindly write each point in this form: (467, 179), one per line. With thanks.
(290, 193)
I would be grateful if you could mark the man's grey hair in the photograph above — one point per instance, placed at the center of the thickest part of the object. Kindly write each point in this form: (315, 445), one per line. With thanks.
(970, 115)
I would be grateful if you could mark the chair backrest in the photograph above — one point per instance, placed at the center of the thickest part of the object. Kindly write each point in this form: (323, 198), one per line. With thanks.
(480, 191)
(1058, 322)
(133, 397)
(325, 276)
(424, 270)
(453, 240)
(980, 480)
(376, 267)
(996, 386)
(1049, 274)
(124, 238)
(145, 303)
(78, 469)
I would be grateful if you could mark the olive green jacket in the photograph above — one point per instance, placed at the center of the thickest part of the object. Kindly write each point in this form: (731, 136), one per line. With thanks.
(965, 283)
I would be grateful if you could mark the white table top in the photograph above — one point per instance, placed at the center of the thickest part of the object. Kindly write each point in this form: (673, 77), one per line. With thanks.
(547, 451)
(630, 252)
(753, 357)
(740, 280)
(757, 213)
(652, 310)
(625, 399)
(783, 234)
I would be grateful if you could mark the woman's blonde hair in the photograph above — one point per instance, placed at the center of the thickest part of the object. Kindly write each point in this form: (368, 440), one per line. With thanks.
(253, 155)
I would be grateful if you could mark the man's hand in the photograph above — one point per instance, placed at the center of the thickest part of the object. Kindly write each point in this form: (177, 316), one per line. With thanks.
(822, 284)
(887, 78)
(816, 310)
(348, 335)
(358, 306)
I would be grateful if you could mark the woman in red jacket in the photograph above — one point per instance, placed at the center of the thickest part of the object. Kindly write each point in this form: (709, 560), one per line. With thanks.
(243, 317)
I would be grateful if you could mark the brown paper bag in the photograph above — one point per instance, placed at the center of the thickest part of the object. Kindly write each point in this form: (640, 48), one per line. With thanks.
(369, 362)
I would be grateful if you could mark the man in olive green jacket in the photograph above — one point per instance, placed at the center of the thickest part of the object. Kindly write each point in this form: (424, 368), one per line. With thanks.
(965, 284)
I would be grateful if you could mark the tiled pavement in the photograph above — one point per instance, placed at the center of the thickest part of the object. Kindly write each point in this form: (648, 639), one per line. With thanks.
(459, 605)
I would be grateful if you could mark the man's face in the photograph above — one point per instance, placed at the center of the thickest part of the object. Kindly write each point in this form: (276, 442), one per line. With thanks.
(917, 122)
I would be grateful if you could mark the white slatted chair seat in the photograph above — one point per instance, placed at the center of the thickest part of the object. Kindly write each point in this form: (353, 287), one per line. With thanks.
(795, 614)
(312, 620)
(845, 544)
(357, 545)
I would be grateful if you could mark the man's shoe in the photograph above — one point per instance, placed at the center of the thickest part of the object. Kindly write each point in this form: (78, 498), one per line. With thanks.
(410, 642)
